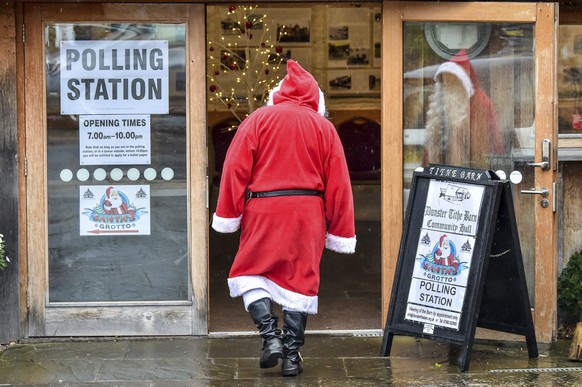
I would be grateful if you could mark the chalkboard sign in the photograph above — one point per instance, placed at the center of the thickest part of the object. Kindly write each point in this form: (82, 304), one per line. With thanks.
(460, 264)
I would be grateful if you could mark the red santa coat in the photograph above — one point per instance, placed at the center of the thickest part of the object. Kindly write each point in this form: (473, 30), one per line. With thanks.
(286, 146)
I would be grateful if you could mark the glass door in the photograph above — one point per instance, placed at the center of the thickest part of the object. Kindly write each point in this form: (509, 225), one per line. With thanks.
(110, 185)
(476, 90)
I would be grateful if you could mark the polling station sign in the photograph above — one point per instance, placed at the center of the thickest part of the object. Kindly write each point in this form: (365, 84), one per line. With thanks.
(444, 253)
(114, 77)
(460, 264)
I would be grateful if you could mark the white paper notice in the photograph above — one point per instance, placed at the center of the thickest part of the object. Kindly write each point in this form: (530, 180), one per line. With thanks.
(114, 77)
(114, 210)
(444, 253)
(112, 140)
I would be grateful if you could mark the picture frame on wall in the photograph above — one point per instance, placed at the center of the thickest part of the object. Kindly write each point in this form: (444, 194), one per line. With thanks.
(353, 82)
(349, 37)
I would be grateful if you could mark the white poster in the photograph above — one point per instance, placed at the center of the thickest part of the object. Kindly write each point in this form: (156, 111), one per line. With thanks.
(444, 253)
(114, 210)
(114, 77)
(114, 139)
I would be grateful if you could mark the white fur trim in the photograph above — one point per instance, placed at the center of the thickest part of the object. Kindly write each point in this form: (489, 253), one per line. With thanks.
(459, 72)
(285, 298)
(321, 104)
(225, 225)
(340, 244)
(273, 91)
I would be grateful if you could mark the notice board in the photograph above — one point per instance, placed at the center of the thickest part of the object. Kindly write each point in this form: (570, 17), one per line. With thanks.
(460, 264)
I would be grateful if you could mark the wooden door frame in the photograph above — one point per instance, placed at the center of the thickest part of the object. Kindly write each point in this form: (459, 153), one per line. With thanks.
(544, 15)
(34, 129)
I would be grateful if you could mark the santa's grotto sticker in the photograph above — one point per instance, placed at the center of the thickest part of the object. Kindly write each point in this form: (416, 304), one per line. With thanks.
(114, 210)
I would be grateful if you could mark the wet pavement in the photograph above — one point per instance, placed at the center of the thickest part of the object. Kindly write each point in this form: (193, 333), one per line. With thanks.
(329, 360)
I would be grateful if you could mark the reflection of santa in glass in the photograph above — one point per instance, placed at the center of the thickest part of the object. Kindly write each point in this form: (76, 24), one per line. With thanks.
(462, 126)
(114, 203)
(444, 254)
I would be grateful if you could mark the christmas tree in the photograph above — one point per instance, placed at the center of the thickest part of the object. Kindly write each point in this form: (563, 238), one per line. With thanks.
(244, 64)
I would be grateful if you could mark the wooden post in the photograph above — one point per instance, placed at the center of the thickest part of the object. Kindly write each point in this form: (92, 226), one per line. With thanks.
(9, 278)
(576, 346)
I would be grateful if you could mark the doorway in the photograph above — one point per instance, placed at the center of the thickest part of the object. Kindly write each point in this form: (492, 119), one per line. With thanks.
(340, 45)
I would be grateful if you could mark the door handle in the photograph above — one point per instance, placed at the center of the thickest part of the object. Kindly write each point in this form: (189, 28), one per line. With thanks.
(543, 165)
(546, 155)
(544, 192)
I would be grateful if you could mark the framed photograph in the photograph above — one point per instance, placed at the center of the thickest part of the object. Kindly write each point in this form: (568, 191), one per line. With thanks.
(349, 37)
(353, 82)
(291, 25)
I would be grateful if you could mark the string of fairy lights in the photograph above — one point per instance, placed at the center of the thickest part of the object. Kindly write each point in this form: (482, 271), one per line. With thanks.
(244, 64)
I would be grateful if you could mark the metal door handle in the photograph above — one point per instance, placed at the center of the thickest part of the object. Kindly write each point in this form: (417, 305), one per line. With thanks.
(543, 165)
(546, 155)
(544, 192)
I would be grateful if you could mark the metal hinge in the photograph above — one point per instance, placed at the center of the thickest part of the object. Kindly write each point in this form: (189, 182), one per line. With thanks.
(25, 166)
(23, 33)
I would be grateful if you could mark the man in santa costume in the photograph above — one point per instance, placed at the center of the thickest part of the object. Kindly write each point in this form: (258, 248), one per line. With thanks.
(285, 183)
(462, 128)
(444, 254)
(114, 203)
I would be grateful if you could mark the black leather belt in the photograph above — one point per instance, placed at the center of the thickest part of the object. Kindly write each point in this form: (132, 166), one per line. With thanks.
(284, 192)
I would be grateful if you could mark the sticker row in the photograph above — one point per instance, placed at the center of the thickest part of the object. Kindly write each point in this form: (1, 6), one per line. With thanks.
(116, 174)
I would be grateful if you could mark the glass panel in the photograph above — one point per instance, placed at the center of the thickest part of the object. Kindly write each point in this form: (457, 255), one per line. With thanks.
(117, 181)
(570, 81)
(469, 101)
(340, 45)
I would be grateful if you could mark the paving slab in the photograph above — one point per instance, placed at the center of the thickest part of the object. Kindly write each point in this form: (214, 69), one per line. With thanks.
(329, 360)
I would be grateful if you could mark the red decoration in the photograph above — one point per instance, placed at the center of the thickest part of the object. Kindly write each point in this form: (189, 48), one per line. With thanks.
(266, 71)
(212, 88)
(217, 72)
(229, 105)
(211, 48)
(233, 66)
(232, 8)
(263, 44)
(279, 49)
(249, 24)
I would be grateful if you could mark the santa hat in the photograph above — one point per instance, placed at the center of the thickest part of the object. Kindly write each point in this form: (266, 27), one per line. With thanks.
(108, 192)
(460, 66)
(298, 83)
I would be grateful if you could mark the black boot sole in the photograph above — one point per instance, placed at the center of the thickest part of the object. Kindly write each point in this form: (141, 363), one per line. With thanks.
(289, 368)
(271, 360)
(292, 372)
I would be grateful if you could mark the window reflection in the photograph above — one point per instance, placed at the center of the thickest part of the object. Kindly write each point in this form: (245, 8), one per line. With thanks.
(475, 111)
(469, 101)
(570, 81)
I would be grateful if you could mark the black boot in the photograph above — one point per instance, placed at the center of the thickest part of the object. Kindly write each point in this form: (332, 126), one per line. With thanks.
(293, 339)
(266, 322)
